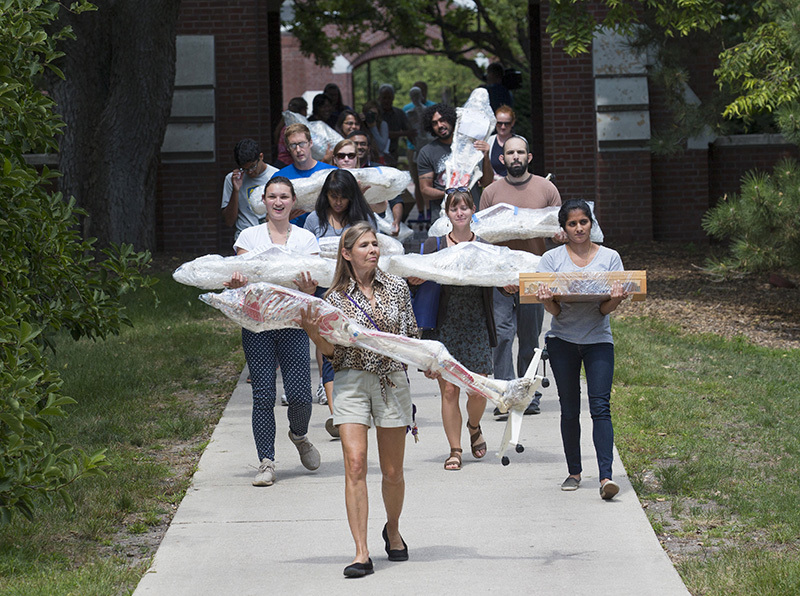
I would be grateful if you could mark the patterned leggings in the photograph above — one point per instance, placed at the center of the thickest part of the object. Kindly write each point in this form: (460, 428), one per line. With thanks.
(264, 351)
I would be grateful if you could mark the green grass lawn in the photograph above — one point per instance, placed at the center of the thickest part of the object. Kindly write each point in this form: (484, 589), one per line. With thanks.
(709, 431)
(151, 397)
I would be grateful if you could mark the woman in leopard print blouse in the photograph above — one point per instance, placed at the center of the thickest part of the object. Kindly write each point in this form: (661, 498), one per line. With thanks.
(369, 388)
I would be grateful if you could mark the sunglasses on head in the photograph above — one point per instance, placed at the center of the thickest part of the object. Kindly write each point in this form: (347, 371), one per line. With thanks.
(345, 156)
(449, 191)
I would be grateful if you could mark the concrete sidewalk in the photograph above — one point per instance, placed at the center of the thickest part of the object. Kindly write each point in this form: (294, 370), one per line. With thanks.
(487, 528)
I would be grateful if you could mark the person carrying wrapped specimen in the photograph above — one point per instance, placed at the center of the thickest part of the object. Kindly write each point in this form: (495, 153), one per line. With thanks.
(580, 334)
(369, 388)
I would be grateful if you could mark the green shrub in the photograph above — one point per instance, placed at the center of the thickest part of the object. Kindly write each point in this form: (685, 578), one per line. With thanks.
(761, 223)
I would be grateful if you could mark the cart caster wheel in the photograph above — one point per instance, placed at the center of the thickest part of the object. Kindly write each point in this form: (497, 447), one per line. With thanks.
(505, 460)
(545, 382)
(520, 448)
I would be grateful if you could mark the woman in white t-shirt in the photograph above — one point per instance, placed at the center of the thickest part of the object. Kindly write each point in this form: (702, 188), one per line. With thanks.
(580, 334)
(288, 348)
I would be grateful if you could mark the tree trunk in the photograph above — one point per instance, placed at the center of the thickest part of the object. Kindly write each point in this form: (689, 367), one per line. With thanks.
(116, 101)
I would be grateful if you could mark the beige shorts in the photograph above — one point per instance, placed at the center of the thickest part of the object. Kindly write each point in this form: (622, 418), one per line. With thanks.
(357, 399)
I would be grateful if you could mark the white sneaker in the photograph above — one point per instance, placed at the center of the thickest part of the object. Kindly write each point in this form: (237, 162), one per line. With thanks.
(321, 397)
(266, 473)
(284, 401)
(309, 456)
(609, 490)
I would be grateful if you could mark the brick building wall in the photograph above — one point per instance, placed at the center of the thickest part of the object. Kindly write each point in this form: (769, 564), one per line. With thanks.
(189, 194)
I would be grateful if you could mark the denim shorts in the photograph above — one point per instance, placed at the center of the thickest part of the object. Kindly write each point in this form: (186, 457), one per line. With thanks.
(357, 399)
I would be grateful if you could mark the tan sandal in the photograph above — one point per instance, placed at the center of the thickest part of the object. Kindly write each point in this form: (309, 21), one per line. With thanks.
(453, 463)
(478, 434)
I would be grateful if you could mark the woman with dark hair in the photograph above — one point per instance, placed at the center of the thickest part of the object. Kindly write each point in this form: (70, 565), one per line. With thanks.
(468, 332)
(334, 95)
(347, 122)
(285, 347)
(369, 388)
(378, 128)
(340, 204)
(580, 334)
(321, 108)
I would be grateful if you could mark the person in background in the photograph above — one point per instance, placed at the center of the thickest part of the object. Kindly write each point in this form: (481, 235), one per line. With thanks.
(580, 334)
(499, 95)
(298, 105)
(321, 108)
(369, 388)
(415, 112)
(285, 347)
(513, 318)
(397, 122)
(367, 157)
(347, 122)
(334, 95)
(506, 118)
(298, 141)
(378, 129)
(466, 330)
(242, 182)
(440, 121)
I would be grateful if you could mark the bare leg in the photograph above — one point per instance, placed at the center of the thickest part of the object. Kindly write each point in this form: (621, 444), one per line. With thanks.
(451, 413)
(354, 448)
(329, 394)
(476, 406)
(391, 452)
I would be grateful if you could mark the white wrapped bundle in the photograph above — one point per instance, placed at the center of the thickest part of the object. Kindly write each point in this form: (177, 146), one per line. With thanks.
(502, 222)
(475, 121)
(467, 264)
(275, 265)
(262, 306)
(385, 227)
(384, 184)
(322, 135)
(389, 246)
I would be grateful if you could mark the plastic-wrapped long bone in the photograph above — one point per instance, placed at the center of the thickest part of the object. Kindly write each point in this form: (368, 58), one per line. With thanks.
(384, 183)
(262, 306)
(389, 246)
(322, 135)
(502, 222)
(275, 265)
(467, 264)
(385, 227)
(474, 121)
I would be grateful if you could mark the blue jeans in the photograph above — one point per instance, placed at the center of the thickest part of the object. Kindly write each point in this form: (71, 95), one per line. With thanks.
(598, 362)
(514, 319)
(264, 352)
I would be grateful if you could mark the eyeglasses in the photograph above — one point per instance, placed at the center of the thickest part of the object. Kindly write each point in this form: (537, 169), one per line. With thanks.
(345, 156)
(248, 169)
(300, 145)
(499, 123)
(449, 191)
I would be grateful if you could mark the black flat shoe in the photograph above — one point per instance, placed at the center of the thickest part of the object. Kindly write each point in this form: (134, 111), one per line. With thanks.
(397, 554)
(359, 569)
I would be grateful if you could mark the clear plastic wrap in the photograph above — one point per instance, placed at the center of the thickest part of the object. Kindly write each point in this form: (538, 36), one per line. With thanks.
(385, 227)
(384, 184)
(475, 121)
(275, 265)
(585, 286)
(323, 137)
(502, 222)
(389, 246)
(262, 306)
(467, 264)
